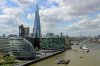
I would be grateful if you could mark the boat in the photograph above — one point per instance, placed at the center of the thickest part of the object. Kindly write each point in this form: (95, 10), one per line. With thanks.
(81, 57)
(62, 61)
(77, 44)
(85, 48)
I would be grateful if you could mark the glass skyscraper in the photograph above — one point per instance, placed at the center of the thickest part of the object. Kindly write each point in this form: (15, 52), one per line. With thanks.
(37, 29)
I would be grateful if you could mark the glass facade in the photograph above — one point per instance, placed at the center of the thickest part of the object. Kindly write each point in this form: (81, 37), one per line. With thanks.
(37, 29)
(20, 47)
(52, 43)
(37, 26)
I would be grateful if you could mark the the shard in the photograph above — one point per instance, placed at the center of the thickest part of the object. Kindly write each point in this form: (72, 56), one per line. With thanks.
(37, 29)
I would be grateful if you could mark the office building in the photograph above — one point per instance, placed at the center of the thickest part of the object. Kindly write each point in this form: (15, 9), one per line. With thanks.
(20, 47)
(53, 43)
(50, 35)
(37, 29)
(23, 31)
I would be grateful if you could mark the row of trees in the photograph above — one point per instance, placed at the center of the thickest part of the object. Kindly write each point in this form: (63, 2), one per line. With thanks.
(7, 59)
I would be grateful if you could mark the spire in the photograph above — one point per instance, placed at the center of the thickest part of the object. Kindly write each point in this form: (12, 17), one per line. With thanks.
(37, 27)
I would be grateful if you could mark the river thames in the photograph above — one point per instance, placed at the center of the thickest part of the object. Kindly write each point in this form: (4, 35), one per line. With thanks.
(91, 58)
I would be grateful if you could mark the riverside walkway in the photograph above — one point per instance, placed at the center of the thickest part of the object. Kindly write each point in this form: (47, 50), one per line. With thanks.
(40, 55)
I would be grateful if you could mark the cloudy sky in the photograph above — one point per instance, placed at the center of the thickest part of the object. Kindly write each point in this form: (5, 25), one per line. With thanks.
(72, 17)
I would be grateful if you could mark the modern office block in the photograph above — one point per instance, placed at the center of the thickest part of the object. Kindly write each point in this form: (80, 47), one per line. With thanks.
(50, 35)
(53, 43)
(37, 29)
(23, 31)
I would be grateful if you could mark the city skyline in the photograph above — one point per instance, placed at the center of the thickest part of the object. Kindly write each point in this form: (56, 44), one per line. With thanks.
(74, 18)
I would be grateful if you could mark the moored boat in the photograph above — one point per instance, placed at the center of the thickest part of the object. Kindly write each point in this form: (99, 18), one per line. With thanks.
(62, 61)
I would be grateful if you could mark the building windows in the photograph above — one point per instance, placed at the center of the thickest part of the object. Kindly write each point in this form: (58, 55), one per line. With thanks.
(20, 47)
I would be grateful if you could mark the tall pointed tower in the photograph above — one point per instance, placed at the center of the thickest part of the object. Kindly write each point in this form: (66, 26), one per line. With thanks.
(37, 29)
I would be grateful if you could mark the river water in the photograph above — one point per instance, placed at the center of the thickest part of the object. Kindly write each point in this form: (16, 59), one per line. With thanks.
(91, 58)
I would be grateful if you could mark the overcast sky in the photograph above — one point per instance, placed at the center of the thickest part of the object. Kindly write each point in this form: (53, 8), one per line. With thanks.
(72, 17)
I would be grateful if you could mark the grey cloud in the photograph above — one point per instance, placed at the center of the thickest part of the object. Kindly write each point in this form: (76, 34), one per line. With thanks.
(85, 24)
(69, 10)
(24, 3)
(51, 17)
(79, 7)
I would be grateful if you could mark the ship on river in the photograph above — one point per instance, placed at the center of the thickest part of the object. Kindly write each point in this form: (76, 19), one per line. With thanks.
(85, 48)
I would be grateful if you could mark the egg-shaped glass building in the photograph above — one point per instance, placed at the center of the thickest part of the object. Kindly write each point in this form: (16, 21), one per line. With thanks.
(20, 47)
